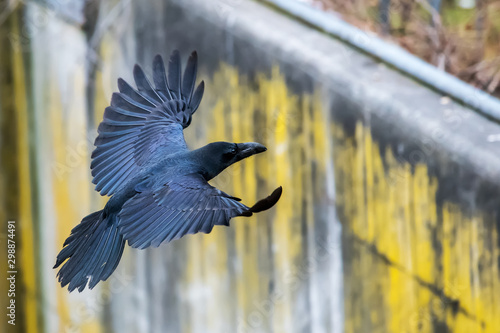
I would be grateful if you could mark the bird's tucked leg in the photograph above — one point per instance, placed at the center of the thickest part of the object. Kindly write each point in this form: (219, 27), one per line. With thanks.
(266, 203)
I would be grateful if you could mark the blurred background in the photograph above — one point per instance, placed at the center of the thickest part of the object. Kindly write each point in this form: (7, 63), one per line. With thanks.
(383, 131)
(461, 37)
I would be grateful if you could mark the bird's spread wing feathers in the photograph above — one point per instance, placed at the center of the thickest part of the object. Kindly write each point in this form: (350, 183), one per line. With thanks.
(186, 205)
(143, 123)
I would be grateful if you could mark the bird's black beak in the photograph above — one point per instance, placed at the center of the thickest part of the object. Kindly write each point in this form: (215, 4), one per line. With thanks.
(249, 148)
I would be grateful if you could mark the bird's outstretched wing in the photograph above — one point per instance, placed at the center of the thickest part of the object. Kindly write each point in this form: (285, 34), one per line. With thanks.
(143, 124)
(186, 205)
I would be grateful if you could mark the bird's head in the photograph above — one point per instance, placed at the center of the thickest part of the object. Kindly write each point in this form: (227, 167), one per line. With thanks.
(217, 156)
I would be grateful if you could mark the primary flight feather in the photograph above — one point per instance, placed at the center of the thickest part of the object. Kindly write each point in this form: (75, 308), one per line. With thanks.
(159, 188)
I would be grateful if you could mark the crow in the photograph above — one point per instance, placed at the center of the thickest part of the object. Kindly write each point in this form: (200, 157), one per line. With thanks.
(158, 188)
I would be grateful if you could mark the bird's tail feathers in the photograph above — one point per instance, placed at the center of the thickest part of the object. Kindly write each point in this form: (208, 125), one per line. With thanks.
(93, 250)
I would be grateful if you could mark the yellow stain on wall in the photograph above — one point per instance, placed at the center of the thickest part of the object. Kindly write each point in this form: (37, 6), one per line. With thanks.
(72, 192)
(27, 253)
(265, 264)
(66, 217)
(414, 266)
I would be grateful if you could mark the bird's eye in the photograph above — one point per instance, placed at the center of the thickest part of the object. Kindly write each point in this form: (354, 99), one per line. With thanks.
(234, 150)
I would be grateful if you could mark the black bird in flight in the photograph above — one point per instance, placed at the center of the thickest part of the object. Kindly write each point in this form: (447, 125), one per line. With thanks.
(159, 188)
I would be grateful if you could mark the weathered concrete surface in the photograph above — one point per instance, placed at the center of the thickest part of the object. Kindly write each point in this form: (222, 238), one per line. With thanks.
(410, 176)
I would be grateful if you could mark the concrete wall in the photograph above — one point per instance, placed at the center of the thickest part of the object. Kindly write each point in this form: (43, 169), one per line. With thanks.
(389, 218)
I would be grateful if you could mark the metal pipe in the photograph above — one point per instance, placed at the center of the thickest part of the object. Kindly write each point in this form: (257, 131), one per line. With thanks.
(394, 55)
